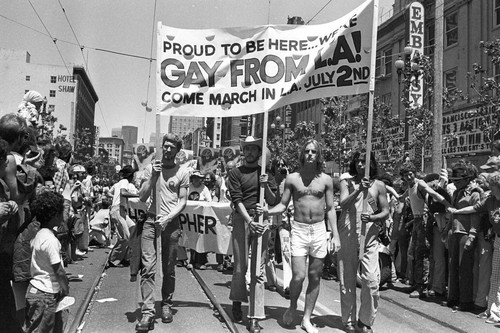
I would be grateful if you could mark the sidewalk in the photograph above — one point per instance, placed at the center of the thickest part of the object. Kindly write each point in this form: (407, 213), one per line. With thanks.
(84, 274)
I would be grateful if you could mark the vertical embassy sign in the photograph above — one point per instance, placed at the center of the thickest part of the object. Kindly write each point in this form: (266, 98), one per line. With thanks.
(416, 41)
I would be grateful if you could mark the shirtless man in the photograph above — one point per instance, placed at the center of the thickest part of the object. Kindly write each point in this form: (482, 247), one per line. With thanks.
(312, 192)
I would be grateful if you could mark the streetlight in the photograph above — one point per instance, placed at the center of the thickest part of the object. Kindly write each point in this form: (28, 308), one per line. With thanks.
(278, 122)
(410, 69)
(145, 104)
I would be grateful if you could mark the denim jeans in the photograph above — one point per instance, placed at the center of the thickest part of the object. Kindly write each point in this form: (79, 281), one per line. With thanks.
(41, 315)
(461, 264)
(421, 244)
(169, 241)
(242, 241)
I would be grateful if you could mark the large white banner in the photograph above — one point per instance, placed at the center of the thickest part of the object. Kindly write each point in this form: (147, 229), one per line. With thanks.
(205, 227)
(239, 71)
(204, 224)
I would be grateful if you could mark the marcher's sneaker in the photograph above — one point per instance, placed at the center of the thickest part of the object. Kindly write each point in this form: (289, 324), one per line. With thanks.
(147, 323)
(253, 326)
(220, 268)
(80, 253)
(483, 315)
(237, 313)
(349, 328)
(364, 328)
(418, 294)
(166, 314)
(492, 320)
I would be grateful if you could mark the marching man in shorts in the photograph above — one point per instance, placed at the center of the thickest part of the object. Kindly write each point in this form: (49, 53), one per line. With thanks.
(312, 192)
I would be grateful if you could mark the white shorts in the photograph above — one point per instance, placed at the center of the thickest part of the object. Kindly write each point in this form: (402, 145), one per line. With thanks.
(309, 239)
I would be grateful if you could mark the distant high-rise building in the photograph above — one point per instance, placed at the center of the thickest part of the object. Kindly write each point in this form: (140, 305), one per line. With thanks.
(129, 135)
(183, 125)
(116, 132)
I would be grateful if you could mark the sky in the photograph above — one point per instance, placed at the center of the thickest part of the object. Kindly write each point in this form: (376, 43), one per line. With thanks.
(126, 26)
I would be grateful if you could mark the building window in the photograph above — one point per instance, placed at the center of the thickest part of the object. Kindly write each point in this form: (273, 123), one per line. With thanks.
(218, 137)
(430, 39)
(496, 12)
(378, 64)
(386, 99)
(388, 62)
(451, 27)
(450, 80)
(218, 126)
(28, 78)
(52, 93)
(53, 79)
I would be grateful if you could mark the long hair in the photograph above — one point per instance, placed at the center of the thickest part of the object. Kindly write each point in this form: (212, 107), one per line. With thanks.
(319, 154)
(355, 159)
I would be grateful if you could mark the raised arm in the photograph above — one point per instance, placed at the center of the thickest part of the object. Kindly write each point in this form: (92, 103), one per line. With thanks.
(151, 175)
(438, 197)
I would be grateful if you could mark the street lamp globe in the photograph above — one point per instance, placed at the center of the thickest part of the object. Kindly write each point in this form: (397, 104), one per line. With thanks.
(273, 125)
(400, 64)
(282, 126)
(278, 119)
(408, 49)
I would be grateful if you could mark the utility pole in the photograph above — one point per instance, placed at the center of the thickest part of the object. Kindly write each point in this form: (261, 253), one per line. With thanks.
(437, 129)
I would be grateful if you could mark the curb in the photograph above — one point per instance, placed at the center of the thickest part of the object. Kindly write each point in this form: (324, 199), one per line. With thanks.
(80, 313)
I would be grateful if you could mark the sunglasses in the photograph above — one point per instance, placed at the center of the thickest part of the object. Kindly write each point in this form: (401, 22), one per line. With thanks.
(312, 151)
(457, 179)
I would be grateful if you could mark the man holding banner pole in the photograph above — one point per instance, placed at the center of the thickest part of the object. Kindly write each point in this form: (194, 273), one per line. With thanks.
(312, 193)
(174, 184)
(244, 187)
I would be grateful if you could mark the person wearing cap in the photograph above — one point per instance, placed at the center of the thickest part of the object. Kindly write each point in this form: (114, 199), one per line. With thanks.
(492, 164)
(174, 184)
(119, 215)
(312, 193)
(198, 191)
(244, 187)
(462, 241)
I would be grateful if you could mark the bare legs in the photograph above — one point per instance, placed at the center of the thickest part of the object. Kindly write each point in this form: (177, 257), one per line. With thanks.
(298, 275)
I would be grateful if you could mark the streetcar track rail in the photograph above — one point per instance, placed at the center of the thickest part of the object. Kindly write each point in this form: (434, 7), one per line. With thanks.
(227, 320)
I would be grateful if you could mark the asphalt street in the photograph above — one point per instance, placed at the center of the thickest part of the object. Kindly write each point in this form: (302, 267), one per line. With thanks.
(115, 306)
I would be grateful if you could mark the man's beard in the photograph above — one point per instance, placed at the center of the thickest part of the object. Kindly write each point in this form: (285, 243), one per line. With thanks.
(251, 159)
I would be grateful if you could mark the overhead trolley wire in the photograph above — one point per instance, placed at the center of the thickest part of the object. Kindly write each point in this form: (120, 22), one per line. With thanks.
(84, 60)
(53, 39)
(149, 71)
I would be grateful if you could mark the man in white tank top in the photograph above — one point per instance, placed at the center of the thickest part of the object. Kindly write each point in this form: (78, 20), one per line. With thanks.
(422, 231)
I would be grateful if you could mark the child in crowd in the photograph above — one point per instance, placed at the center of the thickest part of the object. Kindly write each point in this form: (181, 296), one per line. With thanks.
(49, 283)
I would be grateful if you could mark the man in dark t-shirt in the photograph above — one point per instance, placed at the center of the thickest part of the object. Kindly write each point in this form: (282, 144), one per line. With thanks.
(244, 187)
